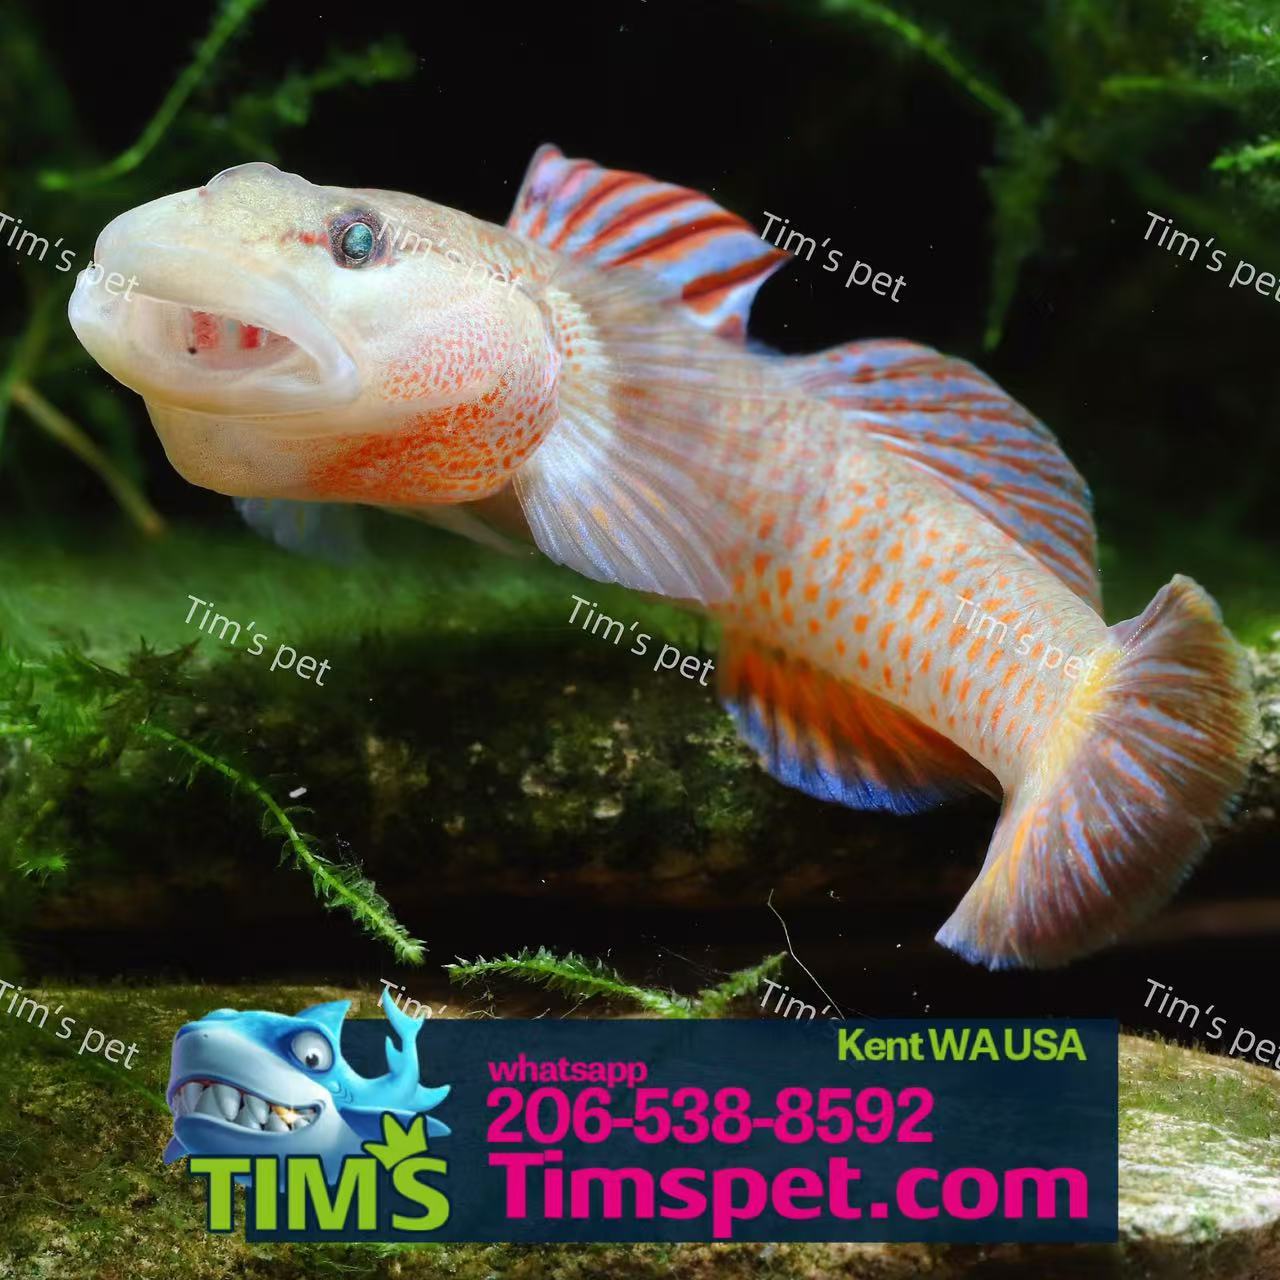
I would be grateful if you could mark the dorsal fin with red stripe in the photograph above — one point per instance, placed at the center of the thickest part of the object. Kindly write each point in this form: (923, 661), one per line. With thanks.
(709, 261)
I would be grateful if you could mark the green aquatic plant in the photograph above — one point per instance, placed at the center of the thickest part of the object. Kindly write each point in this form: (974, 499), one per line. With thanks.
(583, 979)
(1123, 80)
(227, 21)
(69, 726)
(336, 884)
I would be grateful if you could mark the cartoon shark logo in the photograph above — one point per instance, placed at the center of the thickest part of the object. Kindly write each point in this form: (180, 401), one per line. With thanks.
(265, 1084)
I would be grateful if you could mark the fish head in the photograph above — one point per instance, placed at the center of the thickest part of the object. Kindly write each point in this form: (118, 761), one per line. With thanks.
(321, 343)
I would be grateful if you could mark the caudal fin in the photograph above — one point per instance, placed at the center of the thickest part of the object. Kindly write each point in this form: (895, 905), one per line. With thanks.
(1118, 805)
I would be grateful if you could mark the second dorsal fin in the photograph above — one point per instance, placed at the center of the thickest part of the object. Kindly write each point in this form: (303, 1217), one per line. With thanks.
(956, 424)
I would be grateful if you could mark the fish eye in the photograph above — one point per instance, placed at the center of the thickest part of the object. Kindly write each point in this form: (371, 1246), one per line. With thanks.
(354, 238)
(312, 1050)
(357, 242)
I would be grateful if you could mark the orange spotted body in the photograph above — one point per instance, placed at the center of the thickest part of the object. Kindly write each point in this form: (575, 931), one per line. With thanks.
(901, 555)
(873, 593)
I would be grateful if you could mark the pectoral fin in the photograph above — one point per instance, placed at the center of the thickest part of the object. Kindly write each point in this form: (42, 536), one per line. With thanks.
(326, 530)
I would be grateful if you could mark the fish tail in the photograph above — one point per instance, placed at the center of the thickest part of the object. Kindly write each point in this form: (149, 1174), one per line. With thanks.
(1119, 803)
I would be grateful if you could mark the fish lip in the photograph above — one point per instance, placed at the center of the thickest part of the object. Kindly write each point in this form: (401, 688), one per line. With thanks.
(112, 327)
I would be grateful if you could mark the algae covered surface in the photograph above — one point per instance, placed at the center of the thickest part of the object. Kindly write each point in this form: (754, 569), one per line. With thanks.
(461, 715)
(466, 730)
(85, 1194)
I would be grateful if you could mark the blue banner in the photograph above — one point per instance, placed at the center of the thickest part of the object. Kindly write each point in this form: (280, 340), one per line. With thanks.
(505, 1130)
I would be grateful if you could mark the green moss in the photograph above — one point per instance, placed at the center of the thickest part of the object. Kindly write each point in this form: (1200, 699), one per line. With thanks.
(1183, 1110)
(455, 677)
(1167, 1079)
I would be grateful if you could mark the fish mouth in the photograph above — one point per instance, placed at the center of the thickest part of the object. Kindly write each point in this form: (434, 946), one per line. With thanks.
(200, 332)
(233, 1106)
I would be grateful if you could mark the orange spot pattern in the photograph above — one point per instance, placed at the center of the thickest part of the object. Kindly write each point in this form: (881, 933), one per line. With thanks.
(458, 453)
(874, 600)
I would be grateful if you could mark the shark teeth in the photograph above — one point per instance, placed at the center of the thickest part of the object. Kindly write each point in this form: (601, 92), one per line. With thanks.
(228, 1100)
(220, 1101)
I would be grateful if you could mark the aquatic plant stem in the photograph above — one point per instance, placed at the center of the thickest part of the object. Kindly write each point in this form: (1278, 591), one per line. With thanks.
(572, 974)
(582, 979)
(356, 895)
(233, 15)
(937, 52)
(28, 349)
(65, 432)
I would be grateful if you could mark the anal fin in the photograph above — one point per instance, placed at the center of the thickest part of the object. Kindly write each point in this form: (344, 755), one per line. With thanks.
(837, 741)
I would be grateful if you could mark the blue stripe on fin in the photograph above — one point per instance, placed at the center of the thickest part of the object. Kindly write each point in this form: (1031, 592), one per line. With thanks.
(707, 260)
(836, 741)
(952, 421)
(326, 530)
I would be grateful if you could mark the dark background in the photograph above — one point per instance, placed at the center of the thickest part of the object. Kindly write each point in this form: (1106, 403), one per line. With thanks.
(1154, 375)
(1158, 380)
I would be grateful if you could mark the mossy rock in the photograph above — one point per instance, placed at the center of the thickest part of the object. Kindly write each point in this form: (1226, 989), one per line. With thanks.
(86, 1197)
(467, 740)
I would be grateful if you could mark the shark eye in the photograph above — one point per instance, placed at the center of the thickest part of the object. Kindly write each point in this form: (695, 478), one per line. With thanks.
(312, 1050)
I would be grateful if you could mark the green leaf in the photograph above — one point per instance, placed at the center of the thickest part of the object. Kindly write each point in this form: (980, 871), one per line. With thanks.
(715, 1002)
(399, 1142)
(582, 979)
(1019, 185)
(574, 976)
